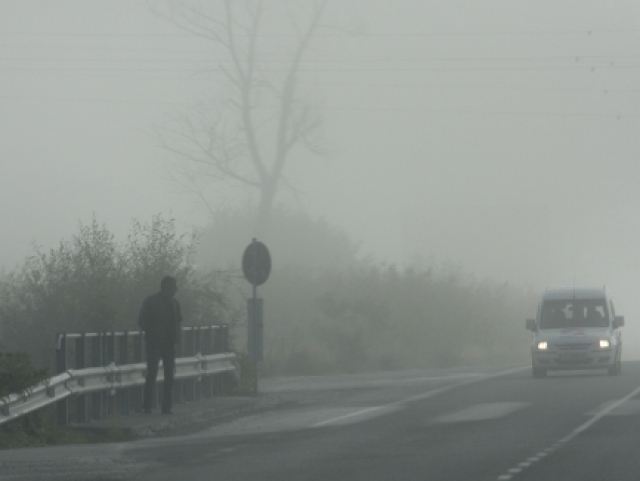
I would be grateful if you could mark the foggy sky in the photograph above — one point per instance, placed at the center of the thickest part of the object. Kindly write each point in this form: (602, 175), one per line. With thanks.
(447, 122)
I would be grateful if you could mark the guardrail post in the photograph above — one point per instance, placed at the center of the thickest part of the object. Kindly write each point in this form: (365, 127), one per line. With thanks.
(207, 348)
(217, 340)
(197, 383)
(225, 338)
(219, 349)
(138, 357)
(178, 385)
(61, 366)
(157, 386)
(207, 341)
(110, 345)
(96, 361)
(225, 349)
(81, 363)
(123, 359)
(190, 384)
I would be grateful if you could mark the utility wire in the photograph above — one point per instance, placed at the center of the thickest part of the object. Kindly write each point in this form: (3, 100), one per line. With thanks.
(325, 70)
(364, 109)
(482, 113)
(559, 58)
(331, 35)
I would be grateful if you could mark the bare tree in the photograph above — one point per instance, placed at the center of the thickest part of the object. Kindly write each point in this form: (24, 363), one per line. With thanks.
(247, 133)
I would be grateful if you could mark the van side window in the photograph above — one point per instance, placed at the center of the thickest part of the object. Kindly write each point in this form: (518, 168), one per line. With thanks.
(613, 311)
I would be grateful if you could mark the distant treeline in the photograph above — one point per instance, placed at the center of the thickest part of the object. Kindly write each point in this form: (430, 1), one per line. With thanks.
(379, 317)
(327, 309)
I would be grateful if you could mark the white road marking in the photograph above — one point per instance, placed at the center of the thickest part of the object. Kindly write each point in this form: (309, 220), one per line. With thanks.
(611, 407)
(427, 379)
(605, 411)
(310, 418)
(347, 416)
(342, 382)
(630, 408)
(481, 412)
(440, 390)
(425, 395)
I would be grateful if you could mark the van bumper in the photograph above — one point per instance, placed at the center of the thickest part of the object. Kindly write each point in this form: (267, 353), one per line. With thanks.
(558, 361)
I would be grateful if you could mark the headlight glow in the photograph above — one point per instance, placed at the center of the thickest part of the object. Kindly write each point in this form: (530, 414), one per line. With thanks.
(604, 343)
(542, 346)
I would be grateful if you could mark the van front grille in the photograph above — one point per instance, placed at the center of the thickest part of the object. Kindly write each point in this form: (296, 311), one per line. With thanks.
(573, 347)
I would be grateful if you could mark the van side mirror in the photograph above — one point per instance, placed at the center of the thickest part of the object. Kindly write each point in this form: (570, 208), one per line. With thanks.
(618, 321)
(531, 325)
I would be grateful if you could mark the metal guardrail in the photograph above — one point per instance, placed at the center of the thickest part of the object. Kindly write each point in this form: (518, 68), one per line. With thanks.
(43, 394)
(194, 375)
(109, 378)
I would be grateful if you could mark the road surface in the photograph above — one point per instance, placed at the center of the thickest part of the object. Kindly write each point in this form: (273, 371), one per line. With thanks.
(464, 424)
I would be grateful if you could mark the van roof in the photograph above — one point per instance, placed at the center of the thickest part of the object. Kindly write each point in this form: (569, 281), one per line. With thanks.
(575, 293)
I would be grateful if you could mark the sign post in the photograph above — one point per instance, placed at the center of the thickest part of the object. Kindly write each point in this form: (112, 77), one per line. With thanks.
(256, 267)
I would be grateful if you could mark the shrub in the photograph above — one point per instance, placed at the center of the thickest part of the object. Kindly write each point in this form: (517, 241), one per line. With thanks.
(93, 283)
(329, 309)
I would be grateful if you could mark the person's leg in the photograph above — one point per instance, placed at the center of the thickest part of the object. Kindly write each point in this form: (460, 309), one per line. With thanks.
(153, 358)
(168, 363)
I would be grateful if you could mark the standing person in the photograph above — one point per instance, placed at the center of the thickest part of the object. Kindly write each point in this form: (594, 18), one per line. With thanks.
(161, 320)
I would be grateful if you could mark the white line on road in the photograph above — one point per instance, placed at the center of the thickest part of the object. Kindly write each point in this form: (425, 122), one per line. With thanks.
(419, 397)
(630, 408)
(481, 412)
(600, 415)
(346, 416)
(424, 379)
(580, 429)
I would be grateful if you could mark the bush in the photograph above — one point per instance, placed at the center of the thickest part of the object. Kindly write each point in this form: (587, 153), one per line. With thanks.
(93, 283)
(377, 317)
(18, 373)
(328, 309)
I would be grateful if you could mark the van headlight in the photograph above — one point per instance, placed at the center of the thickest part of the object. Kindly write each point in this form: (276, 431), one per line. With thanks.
(604, 343)
(544, 345)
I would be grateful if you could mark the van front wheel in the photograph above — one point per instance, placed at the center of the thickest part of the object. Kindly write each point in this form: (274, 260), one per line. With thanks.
(616, 368)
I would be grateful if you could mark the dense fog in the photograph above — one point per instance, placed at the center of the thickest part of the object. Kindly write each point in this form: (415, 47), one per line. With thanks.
(498, 140)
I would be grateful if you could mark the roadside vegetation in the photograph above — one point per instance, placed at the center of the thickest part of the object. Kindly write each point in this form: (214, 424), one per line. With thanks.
(328, 308)
(379, 317)
(93, 283)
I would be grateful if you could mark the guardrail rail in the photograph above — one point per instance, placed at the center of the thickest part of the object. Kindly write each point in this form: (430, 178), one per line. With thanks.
(102, 374)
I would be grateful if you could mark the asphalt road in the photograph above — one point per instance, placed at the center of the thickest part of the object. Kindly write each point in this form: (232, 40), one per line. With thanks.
(472, 424)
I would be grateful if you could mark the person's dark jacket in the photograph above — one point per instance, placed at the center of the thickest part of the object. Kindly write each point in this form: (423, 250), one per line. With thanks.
(160, 318)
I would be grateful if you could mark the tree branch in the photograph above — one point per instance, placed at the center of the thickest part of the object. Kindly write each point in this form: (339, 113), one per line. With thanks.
(289, 90)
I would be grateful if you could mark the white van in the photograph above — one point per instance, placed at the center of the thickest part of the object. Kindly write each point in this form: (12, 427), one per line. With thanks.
(576, 328)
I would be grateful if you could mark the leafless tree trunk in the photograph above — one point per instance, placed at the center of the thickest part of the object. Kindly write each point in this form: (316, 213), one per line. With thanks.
(247, 135)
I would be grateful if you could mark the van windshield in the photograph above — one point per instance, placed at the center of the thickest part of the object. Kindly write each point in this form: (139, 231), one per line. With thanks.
(570, 313)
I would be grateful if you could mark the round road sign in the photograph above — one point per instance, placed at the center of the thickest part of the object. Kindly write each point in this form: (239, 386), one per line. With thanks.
(256, 263)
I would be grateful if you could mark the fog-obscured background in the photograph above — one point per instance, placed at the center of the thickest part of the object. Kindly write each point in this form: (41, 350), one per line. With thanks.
(499, 138)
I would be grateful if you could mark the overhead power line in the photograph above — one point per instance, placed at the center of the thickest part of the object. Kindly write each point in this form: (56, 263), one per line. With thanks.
(40, 69)
(484, 113)
(89, 100)
(386, 59)
(593, 31)
(355, 109)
